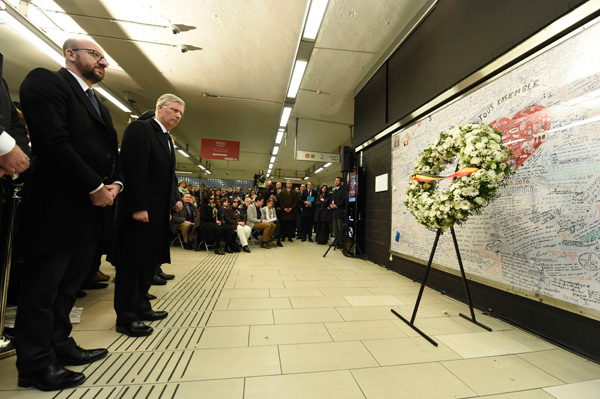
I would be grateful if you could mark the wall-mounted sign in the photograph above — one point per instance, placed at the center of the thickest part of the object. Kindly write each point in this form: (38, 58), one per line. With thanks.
(220, 149)
(317, 156)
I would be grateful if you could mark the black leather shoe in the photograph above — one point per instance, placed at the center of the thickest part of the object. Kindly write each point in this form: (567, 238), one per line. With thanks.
(80, 294)
(152, 315)
(93, 285)
(52, 378)
(164, 275)
(187, 246)
(279, 244)
(158, 281)
(304, 240)
(290, 239)
(246, 249)
(310, 239)
(135, 329)
(150, 297)
(78, 356)
(219, 251)
(228, 250)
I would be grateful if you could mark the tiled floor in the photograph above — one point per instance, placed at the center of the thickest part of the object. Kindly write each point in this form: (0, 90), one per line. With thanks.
(287, 323)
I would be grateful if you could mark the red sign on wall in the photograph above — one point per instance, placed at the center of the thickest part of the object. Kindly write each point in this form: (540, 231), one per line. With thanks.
(220, 149)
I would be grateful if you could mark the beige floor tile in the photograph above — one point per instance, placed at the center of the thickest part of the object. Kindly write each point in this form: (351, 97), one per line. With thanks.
(367, 313)
(222, 304)
(254, 272)
(308, 284)
(304, 272)
(363, 330)
(531, 394)
(373, 300)
(96, 322)
(352, 284)
(96, 339)
(482, 344)
(223, 337)
(239, 278)
(288, 334)
(390, 352)
(327, 385)
(564, 365)
(511, 373)
(324, 357)
(245, 293)
(259, 284)
(434, 326)
(402, 290)
(294, 292)
(493, 323)
(318, 277)
(319, 302)
(274, 278)
(240, 318)
(411, 299)
(295, 316)
(530, 340)
(390, 282)
(579, 390)
(217, 389)
(415, 381)
(101, 307)
(233, 363)
(345, 291)
(259, 303)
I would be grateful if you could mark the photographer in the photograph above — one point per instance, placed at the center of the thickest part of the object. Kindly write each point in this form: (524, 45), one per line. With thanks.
(259, 181)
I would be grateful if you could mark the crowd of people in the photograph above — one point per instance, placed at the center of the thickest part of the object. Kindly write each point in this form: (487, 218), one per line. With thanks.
(123, 201)
(226, 217)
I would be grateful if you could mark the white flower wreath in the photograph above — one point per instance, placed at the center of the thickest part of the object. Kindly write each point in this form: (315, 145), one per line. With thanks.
(475, 145)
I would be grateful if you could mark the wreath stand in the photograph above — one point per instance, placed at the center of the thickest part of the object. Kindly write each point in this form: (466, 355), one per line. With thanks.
(472, 319)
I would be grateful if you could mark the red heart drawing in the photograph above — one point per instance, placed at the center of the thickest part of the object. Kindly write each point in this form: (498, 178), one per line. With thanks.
(521, 133)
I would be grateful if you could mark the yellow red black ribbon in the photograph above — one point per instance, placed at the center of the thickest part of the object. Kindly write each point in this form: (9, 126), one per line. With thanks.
(466, 171)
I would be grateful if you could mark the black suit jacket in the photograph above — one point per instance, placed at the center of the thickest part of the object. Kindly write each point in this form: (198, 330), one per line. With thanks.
(149, 172)
(308, 212)
(74, 150)
(339, 197)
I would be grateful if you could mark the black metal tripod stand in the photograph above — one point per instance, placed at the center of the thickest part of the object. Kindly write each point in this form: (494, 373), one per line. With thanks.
(472, 319)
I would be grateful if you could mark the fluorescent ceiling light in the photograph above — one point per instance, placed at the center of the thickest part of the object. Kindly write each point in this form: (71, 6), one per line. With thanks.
(112, 99)
(279, 137)
(208, 172)
(272, 161)
(201, 167)
(183, 171)
(29, 35)
(285, 116)
(297, 75)
(327, 164)
(275, 150)
(318, 170)
(315, 17)
(183, 153)
(270, 166)
(306, 178)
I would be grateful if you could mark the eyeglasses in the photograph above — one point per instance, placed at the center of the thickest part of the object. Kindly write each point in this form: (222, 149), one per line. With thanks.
(97, 56)
(173, 110)
(211, 198)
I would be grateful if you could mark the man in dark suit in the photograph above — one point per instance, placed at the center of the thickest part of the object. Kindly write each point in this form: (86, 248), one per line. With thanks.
(75, 168)
(141, 235)
(308, 211)
(339, 197)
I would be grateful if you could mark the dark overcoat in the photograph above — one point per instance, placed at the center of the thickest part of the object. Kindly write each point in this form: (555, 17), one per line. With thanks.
(288, 200)
(322, 210)
(74, 150)
(149, 173)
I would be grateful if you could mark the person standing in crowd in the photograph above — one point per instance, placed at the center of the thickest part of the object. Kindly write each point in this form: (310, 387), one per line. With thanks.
(308, 211)
(259, 181)
(339, 196)
(322, 215)
(74, 142)
(299, 208)
(141, 234)
(288, 201)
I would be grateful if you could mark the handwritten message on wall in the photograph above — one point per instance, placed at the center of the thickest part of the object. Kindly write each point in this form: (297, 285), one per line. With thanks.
(543, 234)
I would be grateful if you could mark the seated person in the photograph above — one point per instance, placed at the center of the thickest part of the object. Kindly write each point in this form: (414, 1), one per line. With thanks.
(210, 225)
(234, 218)
(270, 215)
(257, 222)
(184, 219)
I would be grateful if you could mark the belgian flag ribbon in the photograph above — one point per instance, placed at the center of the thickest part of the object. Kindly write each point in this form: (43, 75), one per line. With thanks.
(466, 171)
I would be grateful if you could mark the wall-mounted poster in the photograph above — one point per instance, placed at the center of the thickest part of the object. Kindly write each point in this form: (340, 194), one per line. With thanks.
(541, 238)
(220, 149)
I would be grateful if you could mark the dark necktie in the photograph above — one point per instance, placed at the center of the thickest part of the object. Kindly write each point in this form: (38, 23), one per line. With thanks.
(168, 141)
(92, 98)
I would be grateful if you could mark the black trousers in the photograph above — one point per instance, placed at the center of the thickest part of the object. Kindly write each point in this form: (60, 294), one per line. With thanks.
(131, 285)
(307, 227)
(47, 296)
(287, 229)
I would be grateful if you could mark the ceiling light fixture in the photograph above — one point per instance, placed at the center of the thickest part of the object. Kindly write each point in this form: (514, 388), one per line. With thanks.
(285, 115)
(112, 99)
(297, 75)
(327, 164)
(270, 166)
(183, 172)
(185, 154)
(275, 150)
(208, 172)
(306, 177)
(272, 160)
(279, 136)
(315, 17)
(318, 170)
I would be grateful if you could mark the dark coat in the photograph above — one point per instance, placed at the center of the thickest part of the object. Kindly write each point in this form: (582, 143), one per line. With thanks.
(308, 212)
(72, 147)
(288, 201)
(149, 172)
(339, 198)
(181, 216)
(322, 211)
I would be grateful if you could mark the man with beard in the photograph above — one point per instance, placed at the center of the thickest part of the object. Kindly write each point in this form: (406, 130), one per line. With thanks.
(75, 168)
(141, 238)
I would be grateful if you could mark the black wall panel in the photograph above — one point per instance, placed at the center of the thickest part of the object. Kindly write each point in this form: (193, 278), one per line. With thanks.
(370, 108)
